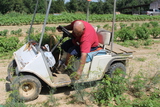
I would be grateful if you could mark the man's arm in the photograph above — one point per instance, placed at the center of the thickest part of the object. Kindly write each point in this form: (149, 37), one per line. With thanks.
(68, 27)
(82, 63)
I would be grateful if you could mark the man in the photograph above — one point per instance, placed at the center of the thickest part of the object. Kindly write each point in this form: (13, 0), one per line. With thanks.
(85, 40)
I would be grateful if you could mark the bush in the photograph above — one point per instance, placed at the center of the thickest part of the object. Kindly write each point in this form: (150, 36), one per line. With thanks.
(154, 24)
(125, 34)
(3, 33)
(142, 33)
(122, 25)
(8, 44)
(155, 32)
(108, 89)
(16, 32)
(53, 29)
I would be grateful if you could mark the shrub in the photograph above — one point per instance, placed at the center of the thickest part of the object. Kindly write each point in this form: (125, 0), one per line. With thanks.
(16, 32)
(146, 25)
(125, 34)
(8, 44)
(3, 33)
(155, 32)
(142, 33)
(108, 89)
(53, 29)
(154, 24)
(107, 27)
(122, 25)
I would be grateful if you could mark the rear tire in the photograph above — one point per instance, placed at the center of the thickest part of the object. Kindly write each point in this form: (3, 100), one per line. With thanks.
(26, 88)
(117, 69)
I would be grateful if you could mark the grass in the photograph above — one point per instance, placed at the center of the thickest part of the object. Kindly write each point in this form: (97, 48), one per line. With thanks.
(158, 54)
(2, 79)
(141, 59)
(142, 88)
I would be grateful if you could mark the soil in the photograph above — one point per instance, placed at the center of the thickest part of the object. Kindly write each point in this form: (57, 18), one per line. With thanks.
(148, 66)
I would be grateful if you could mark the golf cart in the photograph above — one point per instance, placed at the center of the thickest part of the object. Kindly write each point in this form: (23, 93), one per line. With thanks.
(33, 65)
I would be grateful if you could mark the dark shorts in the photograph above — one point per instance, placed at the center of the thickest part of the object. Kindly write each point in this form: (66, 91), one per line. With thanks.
(69, 47)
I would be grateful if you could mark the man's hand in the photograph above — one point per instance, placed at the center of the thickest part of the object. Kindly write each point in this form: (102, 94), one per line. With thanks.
(59, 30)
(81, 66)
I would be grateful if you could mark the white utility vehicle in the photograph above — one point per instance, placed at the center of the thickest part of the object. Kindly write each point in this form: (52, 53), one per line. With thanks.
(32, 65)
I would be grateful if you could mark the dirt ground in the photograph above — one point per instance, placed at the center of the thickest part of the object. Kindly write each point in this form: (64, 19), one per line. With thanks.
(149, 66)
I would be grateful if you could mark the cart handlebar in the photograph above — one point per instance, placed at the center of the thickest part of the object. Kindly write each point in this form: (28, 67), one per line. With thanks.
(65, 32)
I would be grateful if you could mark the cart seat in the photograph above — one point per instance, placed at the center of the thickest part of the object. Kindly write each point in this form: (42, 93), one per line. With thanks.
(104, 38)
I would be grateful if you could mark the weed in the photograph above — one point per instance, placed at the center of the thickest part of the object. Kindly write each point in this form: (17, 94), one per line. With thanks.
(158, 54)
(156, 41)
(16, 32)
(148, 42)
(122, 25)
(13, 102)
(154, 24)
(98, 26)
(142, 33)
(142, 59)
(30, 31)
(125, 34)
(2, 79)
(146, 47)
(53, 29)
(52, 101)
(145, 25)
(3, 33)
(155, 32)
(108, 89)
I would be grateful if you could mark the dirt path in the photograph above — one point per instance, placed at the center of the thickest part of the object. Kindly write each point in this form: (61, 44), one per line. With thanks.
(150, 65)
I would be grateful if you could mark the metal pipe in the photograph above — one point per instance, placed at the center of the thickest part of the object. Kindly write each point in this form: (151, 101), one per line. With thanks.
(88, 10)
(113, 24)
(34, 14)
(45, 21)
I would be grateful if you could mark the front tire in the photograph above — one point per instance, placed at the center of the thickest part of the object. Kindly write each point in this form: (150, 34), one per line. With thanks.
(117, 69)
(11, 70)
(26, 88)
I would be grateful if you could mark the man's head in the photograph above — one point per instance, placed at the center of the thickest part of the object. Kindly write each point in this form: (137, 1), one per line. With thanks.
(78, 28)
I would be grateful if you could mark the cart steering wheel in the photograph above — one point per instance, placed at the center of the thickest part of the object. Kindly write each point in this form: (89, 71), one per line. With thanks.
(65, 32)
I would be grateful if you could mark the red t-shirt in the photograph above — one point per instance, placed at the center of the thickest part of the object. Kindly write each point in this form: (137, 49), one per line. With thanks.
(88, 39)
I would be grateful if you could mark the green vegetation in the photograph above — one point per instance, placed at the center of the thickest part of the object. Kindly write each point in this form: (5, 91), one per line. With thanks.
(8, 45)
(25, 19)
(110, 91)
(72, 6)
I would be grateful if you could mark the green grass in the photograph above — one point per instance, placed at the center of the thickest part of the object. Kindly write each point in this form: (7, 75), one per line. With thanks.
(142, 59)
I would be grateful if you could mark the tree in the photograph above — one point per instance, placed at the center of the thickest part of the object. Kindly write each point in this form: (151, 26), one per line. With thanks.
(57, 6)
(72, 6)
(108, 6)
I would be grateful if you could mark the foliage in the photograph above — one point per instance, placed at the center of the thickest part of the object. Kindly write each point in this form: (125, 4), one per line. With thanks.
(3, 33)
(12, 101)
(8, 44)
(142, 33)
(154, 24)
(36, 37)
(25, 19)
(155, 32)
(108, 89)
(53, 29)
(16, 32)
(136, 43)
(125, 34)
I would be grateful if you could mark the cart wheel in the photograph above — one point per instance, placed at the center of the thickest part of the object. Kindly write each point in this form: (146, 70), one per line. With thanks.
(26, 88)
(11, 70)
(117, 69)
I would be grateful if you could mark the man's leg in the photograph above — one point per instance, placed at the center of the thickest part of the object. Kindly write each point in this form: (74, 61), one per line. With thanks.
(67, 58)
